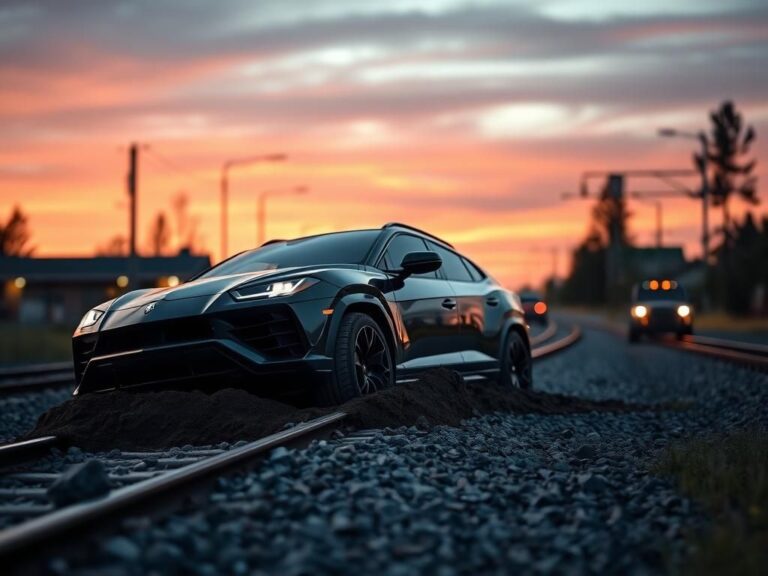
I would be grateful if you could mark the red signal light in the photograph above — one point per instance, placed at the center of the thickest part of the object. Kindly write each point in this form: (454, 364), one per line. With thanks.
(540, 307)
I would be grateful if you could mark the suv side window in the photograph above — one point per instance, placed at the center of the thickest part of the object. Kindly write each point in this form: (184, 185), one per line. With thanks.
(475, 272)
(453, 267)
(401, 245)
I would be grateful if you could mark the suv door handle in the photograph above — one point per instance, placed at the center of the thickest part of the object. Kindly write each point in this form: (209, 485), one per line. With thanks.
(449, 303)
(492, 301)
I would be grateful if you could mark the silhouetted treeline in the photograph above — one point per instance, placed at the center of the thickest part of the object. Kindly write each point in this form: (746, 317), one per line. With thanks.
(15, 235)
(592, 281)
(738, 282)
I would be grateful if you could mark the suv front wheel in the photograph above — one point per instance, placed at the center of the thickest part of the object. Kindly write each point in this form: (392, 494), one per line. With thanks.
(363, 360)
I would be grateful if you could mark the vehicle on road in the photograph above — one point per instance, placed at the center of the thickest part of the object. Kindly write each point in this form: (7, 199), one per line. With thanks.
(535, 307)
(344, 314)
(659, 307)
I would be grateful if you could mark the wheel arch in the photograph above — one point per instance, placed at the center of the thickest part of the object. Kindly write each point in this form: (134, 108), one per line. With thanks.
(366, 303)
(514, 326)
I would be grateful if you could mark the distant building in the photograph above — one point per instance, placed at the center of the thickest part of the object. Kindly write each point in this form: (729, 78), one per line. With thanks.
(61, 290)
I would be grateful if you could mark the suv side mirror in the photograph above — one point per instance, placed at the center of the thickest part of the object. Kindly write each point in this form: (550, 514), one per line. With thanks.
(420, 263)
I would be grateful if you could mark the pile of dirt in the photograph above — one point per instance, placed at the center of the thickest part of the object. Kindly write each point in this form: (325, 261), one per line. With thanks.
(162, 419)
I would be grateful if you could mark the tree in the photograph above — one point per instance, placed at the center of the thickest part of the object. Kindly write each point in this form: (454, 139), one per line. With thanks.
(728, 150)
(186, 227)
(115, 246)
(15, 235)
(585, 284)
(610, 219)
(159, 235)
(596, 274)
(740, 269)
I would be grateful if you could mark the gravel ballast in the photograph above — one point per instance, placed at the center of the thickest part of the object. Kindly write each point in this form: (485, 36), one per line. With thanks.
(21, 410)
(533, 493)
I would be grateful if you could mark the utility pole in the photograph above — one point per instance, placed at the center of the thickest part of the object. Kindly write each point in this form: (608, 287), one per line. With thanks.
(702, 165)
(703, 168)
(133, 177)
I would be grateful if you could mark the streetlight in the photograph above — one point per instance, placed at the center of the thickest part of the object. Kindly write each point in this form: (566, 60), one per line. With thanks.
(261, 209)
(701, 136)
(225, 168)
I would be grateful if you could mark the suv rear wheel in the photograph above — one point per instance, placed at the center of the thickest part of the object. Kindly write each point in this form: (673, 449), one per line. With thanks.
(516, 364)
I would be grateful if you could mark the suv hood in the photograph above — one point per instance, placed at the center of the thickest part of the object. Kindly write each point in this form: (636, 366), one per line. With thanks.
(194, 289)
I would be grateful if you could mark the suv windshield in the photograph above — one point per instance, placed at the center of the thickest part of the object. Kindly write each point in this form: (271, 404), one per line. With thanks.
(338, 248)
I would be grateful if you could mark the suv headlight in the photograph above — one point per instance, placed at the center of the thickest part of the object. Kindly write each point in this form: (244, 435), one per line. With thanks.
(90, 318)
(639, 311)
(683, 311)
(273, 289)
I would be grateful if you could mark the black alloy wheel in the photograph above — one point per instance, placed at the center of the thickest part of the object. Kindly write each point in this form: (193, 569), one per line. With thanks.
(373, 365)
(517, 365)
(363, 361)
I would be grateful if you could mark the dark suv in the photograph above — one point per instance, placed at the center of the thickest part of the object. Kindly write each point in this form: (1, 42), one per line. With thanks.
(659, 306)
(352, 312)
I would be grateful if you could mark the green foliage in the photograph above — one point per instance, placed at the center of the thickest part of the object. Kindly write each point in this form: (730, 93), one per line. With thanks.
(729, 476)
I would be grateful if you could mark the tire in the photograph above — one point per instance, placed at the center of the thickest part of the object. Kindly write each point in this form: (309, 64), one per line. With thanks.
(362, 358)
(516, 363)
(633, 336)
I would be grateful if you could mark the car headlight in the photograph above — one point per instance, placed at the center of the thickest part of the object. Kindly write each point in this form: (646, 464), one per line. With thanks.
(90, 318)
(639, 311)
(272, 290)
(683, 311)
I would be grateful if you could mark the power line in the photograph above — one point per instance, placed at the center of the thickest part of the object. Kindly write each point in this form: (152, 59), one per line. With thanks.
(166, 163)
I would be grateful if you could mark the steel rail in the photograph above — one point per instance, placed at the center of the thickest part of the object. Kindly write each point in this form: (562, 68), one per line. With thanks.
(553, 347)
(26, 449)
(747, 347)
(23, 536)
(732, 353)
(35, 376)
(744, 353)
(545, 335)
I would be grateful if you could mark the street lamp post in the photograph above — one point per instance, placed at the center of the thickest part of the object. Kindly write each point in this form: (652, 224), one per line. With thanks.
(261, 210)
(224, 187)
(701, 137)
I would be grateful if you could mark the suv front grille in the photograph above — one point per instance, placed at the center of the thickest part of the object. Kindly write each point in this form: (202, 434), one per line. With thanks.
(274, 333)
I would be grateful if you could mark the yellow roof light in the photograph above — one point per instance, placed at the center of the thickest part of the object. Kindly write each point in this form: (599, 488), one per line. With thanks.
(666, 285)
(654, 284)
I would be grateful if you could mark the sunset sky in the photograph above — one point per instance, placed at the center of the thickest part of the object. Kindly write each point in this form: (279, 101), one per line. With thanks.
(468, 119)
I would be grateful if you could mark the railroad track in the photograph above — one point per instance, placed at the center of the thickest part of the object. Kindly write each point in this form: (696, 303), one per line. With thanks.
(29, 517)
(35, 377)
(754, 355)
(544, 335)
(744, 353)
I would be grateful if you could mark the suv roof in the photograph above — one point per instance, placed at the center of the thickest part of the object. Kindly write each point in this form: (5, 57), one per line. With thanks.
(414, 229)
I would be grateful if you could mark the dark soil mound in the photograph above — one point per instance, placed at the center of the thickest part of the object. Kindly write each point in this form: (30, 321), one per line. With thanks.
(162, 419)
